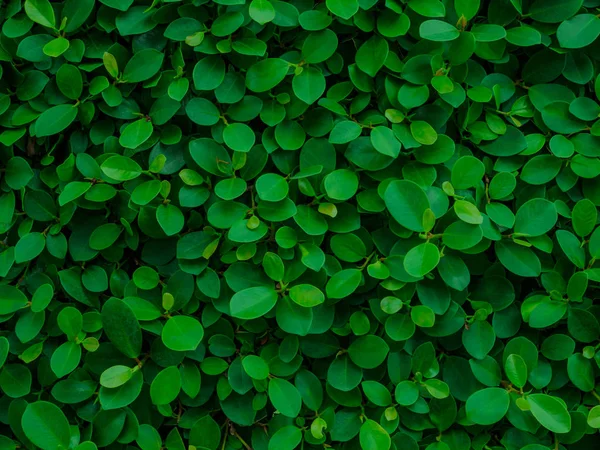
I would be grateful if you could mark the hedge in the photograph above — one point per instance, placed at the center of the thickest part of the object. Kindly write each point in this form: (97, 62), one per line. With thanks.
(271, 225)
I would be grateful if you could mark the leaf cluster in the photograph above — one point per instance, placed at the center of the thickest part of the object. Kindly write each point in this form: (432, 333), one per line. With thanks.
(271, 225)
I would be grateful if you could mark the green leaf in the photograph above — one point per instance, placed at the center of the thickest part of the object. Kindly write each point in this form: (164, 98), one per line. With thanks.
(373, 436)
(73, 191)
(309, 85)
(69, 81)
(56, 47)
(166, 386)
(285, 397)
(110, 64)
(12, 299)
(423, 132)
(406, 393)
(479, 339)
(255, 367)
(517, 259)
(581, 372)
(488, 32)
(422, 316)
(467, 172)
(523, 36)
(76, 12)
(466, 8)
(556, 116)
(437, 30)
(487, 406)
(121, 168)
(516, 370)
(266, 74)
(226, 24)
(343, 8)
(428, 8)
(319, 46)
(170, 219)
(421, 260)
(208, 73)
(368, 352)
(382, 138)
(18, 174)
(124, 395)
(40, 11)
(285, 438)
(550, 412)
(571, 247)
(307, 295)
(46, 426)
(593, 419)
(343, 283)
(253, 302)
(407, 203)
(467, 212)
(182, 333)
(29, 247)
(136, 133)
(273, 266)
(584, 217)
(65, 359)
(116, 376)
(341, 184)
(371, 56)
(239, 137)
(262, 11)
(104, 236)
(55, 119)
(121, 327)
(143, 65)
(4, 348)
(205, 433)
(535, 217)
(554, 11)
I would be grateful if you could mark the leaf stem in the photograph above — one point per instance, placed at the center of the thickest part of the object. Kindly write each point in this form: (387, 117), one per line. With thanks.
(367, 261)
(233, 431)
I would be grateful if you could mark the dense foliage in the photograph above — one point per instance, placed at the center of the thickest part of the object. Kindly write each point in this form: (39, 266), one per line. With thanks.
(262, 224)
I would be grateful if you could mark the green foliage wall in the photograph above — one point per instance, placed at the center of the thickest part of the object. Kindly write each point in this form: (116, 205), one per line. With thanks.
(270, 225)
